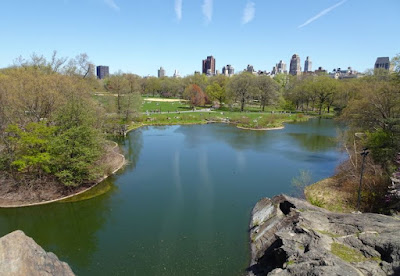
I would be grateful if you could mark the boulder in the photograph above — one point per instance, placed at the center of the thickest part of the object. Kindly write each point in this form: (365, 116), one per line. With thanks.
(21, 255)
(289, 236)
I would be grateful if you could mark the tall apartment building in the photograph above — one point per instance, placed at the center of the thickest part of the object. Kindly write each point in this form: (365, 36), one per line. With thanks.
(281, 68)
(308, 65)
(295, 67)
(91, 71)
(250, 68)
(382, 62)
(161, 72)
(228, 70)
(103, 72)
(208, 66)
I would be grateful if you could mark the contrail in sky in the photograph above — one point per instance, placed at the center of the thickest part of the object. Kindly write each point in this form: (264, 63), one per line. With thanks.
(322, 13)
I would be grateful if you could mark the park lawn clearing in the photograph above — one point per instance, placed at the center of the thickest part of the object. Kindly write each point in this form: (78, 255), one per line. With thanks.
(164, 100)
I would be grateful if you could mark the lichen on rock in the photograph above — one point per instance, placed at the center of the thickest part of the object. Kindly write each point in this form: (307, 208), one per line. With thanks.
(289, 236)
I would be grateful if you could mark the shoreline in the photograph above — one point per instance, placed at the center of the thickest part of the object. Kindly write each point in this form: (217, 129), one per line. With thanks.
(122, 164)
(207, 122)
(268, 128)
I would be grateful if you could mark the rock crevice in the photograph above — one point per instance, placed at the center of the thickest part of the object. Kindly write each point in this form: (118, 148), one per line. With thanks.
(289, 236)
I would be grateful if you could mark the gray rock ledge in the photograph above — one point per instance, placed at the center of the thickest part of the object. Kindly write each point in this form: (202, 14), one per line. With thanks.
(289, 236)
(21, 255)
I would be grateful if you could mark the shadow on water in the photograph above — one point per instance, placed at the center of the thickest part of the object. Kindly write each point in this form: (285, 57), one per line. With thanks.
(67, 229)
(132, 147)
(228, 134)
(314, 142)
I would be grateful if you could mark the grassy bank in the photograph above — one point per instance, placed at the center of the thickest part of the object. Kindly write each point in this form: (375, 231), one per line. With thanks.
(327, 194)
(245, 120)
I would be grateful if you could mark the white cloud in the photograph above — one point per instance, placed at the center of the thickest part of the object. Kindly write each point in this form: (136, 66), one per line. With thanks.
(208, 10)
(249, 12)
(322, 13)
(112, 4)
(178, 9)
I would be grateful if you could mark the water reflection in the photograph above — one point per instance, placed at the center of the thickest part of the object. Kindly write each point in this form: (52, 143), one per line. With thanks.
(237, 139)
(132, 147)
(67, 229)
(314, 142)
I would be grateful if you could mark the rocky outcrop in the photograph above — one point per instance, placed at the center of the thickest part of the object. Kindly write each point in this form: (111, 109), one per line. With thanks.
(21, 255)
(289, 236)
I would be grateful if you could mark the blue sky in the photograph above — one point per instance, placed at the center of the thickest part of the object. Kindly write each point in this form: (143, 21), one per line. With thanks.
(140, 36)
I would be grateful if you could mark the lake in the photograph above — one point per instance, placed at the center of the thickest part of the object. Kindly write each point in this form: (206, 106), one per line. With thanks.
(182, 204)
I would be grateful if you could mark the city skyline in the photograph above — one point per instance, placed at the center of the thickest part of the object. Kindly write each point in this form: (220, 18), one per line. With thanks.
(131, 34)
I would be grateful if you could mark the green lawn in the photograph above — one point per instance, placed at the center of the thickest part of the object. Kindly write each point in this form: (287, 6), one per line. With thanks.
(246, 120)
(164, 106)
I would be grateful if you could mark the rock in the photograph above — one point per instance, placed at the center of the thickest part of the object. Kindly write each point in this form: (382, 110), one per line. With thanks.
(21, 255)
(289, 236)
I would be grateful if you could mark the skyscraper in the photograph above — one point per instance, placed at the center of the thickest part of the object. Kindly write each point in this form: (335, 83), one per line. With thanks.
(281, 67)
(250, 68)
(295, 68)
(176, 74)
(103, 72)
(161, 72)
(208, 66)
(382, 62)
(91, 71)
(228, 70)
(308, 65)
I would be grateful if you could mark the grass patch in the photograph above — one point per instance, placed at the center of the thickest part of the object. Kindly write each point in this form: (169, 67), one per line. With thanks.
(332, 235)
(246, 120)
(164, 106)
(327, 194)
(290, 262)
(347, 254)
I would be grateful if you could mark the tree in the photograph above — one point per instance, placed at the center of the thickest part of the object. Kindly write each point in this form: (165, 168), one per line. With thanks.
(216, 92)
(153, 86)
(78, 142)
(239, 88)
(266, 90)
(195, 95)
(30, 147)
(324, 88)
(118, 85)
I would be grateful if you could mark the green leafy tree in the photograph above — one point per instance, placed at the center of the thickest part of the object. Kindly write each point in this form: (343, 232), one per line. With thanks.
(78, 143)
(239, 88)
(266, 90)
(216, 92)
(30, 147)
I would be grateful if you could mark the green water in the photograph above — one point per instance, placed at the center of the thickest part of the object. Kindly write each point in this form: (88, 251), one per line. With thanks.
(182, 204)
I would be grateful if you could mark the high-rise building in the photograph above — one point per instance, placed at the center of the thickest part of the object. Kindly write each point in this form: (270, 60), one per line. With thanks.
(308, 65)
(103, 72)
(250, 68)
(91, 70)
(176, 74)
(295, 67)
(274, 70)
(208, 66)
(281, 68)
(382, 62)
(228, 70)
(161, 72)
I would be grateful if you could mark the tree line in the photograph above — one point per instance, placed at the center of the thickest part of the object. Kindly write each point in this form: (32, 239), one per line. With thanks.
(51, 123)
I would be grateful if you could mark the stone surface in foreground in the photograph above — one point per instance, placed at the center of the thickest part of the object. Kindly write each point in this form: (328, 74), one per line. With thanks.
(21, 255)
(292, 237)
